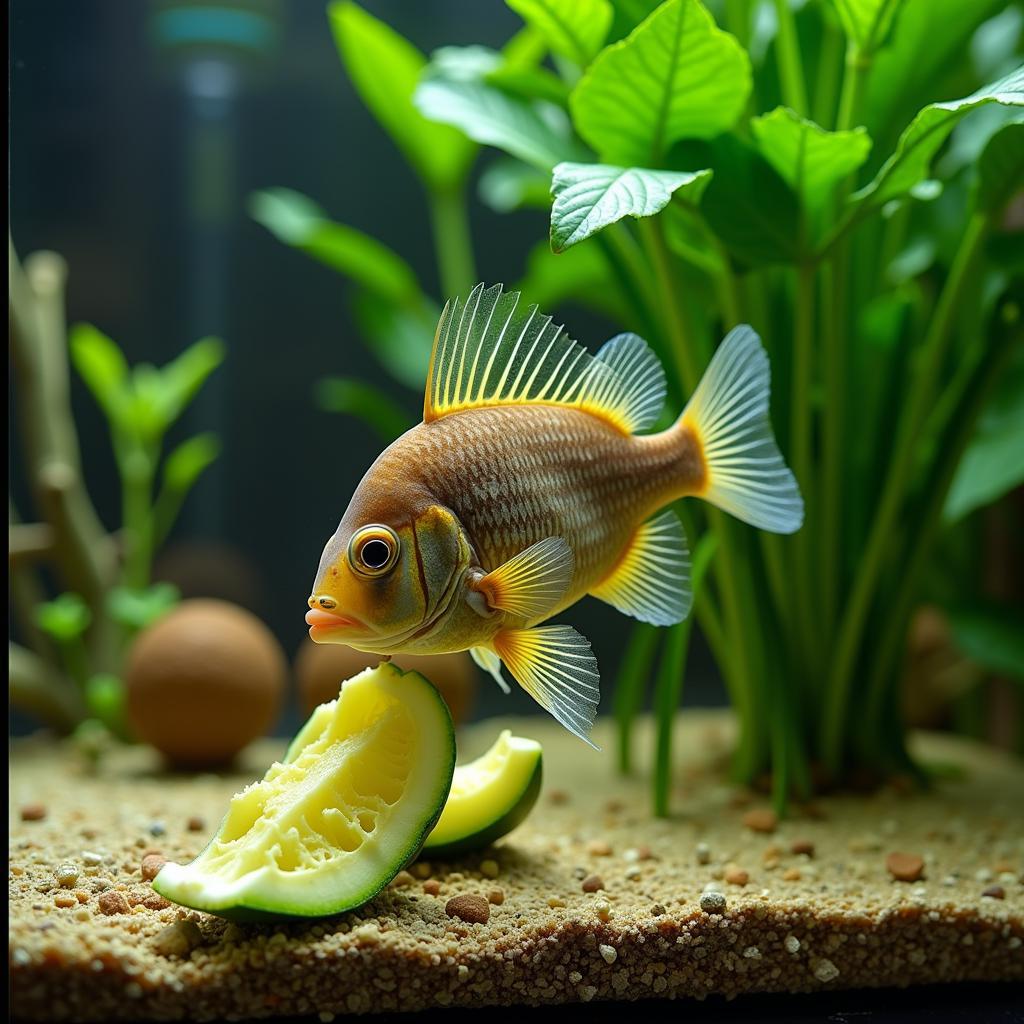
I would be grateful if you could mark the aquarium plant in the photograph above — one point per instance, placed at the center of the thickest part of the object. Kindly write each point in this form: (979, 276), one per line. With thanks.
(68, 667)
(843, 176)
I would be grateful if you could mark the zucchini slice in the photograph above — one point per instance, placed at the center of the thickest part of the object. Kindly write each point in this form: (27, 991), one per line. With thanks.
(326, 829)
(489, 797)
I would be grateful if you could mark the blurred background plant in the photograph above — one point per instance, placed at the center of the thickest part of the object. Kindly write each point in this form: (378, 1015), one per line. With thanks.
(68, 670)
(803, 167)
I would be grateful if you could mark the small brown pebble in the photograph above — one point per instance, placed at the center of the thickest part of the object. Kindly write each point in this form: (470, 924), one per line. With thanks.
(114, 902)
(993, 892)
(401, 880)
(82, 896)
(151, 866)
(592, 883)
(791, 874)
(771, 853)
(905, 867)
(178, 939)
(33, 812)
(496, 896)
(644, 852)
(804, 846)
(1003, 867)
(599, 848)
(196, 824)
(490, 868)
(736, 875)
(558, 796)
(431, 886)
(614, 806)
(761, 819)
(555, 901)
(65, 900)
(468, 907)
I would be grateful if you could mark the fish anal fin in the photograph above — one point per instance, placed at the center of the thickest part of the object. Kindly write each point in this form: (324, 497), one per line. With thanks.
(556, 667)
(651, 581)
(490, 663)
(488, 352)
(532, 583)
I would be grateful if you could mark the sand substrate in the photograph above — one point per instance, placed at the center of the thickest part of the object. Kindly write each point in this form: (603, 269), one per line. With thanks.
(805, 904)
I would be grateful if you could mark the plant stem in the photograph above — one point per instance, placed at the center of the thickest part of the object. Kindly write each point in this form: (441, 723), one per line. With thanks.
(827, 80)
(630, 685)
(791, 69)
(137, 466)
(855, 76)
(668, 692)
(932, 356)
(453, 243)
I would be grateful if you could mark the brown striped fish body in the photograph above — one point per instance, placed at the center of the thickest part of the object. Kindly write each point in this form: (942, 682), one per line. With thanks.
(527, 487)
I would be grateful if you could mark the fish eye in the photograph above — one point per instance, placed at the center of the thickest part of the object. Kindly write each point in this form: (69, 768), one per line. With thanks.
(373, 550)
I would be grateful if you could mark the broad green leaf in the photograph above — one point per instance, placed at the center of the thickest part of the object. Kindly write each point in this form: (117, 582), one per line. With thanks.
(574, 29)
(138, 608)
(628, 14)
(688, 238)
(589, 197)
(810, 159)
(1001, 170)
(183, 376)
(385, 69)
(676, 76)
(454, 91)
(105, 698)
(992, 636)
(366, 402)
(298, 221)
(992, 464)
(188, 461)
(867, 22)
(530, 84)
(581, 275)
(64, 618)
(749, 207)
(101, 364)
(508, 184)
(926, 133)
(401, 339)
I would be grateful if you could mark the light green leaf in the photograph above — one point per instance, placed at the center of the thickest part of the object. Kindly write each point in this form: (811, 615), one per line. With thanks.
(926, 133)
(589, 197)
(385, 69)
(298, 221)
(574, 29)
(454, 91)
(508, 184)
(140, 607)
(64, 618)
(1000, 170)
(677, 75)
(810, 159)
(992, 464)
(188, 461)
(867, 22)
(991, 636)
(530, 84)
(401, 339)
(366, 402)
(178, 382)
(101, 364)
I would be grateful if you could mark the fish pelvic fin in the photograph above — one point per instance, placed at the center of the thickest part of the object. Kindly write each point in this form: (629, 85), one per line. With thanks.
(490, 663)
(489, 351)
(743, 470)
(531, 584)
(651, 581)
(556, 667)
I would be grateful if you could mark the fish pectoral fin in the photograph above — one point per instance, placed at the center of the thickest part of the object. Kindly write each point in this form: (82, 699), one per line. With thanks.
(532, 583)
(491, 663)
(556, 667)
(652, 579)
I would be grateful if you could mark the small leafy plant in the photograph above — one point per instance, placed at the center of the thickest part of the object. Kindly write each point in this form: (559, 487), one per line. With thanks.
(846, 177)
(70, 668)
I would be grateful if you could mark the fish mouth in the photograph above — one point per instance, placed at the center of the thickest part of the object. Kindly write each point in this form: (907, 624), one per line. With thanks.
(323, 624)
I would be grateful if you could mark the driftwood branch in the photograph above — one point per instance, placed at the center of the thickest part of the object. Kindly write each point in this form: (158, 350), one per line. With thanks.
(29, 542)
(37, 688)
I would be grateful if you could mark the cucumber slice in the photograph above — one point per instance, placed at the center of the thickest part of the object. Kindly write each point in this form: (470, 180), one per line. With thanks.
(324, 831)
(489, 797)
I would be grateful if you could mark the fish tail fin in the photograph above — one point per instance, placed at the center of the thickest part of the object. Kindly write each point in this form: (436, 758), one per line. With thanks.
(727, 417)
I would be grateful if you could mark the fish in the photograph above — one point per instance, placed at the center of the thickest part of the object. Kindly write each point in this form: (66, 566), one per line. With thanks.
(529, 484)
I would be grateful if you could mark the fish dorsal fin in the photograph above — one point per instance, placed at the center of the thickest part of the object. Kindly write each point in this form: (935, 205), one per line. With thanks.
(488, 352)
(641, 379)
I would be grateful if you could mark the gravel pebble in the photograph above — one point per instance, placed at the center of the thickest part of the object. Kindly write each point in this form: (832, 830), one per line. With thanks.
(825, 970)
(608, 953)
(803, 846)
(432, 887)
(995, 892)
(592, 883)
(792, 944)
(905, 867)
(489, 868)
(761, 819)
(157, 829)
(735, 875)
(178, 939)
(496, 896)
(66, 875)
(151, 866)
(114, 902)
(599, 848)
(402, 879)
(468, 907)
(703, 852)
(712, 902)
(196, 824)
(33, 812)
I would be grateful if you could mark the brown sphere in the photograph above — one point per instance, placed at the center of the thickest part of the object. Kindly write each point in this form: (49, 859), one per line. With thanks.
(320, 670)
(204, 681)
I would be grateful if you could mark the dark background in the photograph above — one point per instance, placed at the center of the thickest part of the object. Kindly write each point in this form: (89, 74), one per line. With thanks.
(134, 159)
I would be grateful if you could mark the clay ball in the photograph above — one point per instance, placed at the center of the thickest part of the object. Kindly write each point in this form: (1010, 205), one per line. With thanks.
(320, 670)
(204, 681)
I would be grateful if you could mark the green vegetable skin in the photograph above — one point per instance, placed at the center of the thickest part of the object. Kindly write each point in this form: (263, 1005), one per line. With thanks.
(384, 754)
